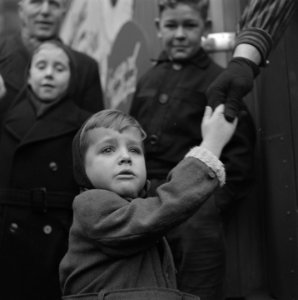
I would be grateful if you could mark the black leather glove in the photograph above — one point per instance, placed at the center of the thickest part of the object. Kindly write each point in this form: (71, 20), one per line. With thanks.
(232, 85)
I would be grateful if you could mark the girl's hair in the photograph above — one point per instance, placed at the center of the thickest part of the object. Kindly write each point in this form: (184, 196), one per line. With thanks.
(201, 5)
(107, 118)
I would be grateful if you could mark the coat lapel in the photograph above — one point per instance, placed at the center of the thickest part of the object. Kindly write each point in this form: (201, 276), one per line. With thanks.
(63, 118)
(57, 122)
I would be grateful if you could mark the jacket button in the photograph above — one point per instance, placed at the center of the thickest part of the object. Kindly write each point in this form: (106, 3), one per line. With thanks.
(53, 166)
(163, 98)
(167, 276)
(13, 227)
(211, 174)
(177, 67)
(153, 139)
(47, 229)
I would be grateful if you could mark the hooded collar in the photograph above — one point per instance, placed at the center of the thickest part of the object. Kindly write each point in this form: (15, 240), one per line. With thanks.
(61, 118)
(78, 163)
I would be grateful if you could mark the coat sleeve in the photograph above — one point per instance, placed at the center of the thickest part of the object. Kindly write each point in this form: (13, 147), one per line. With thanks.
(119, 227)
(263, 22)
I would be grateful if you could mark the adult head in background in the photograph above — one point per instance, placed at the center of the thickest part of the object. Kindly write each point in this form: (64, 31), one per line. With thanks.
(36, 181)
(41, 21)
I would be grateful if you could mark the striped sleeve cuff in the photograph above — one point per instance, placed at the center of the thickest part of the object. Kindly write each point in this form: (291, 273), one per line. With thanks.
(211, 161)
(258, 38)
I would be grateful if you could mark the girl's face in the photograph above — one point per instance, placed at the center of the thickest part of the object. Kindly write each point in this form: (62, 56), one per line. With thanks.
(49, 73)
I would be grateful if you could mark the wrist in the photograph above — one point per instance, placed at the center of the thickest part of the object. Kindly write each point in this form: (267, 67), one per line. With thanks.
(257, 38)
(247, 64)
(249, 52)
(210, 160)
(212, 147)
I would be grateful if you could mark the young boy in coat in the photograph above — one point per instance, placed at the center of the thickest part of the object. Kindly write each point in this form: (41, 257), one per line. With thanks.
(36, 179)
(169, 104)
(116, 245)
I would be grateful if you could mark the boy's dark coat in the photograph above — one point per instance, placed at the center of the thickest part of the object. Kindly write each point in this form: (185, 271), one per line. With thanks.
(169, 103)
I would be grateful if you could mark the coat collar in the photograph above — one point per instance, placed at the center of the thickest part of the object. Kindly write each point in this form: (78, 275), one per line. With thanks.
(201, 59)
(60, 119)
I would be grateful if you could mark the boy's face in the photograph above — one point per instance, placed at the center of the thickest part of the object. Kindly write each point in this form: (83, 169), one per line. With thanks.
(42, 18)
(115, 161)
(49, 73)
(180, 30)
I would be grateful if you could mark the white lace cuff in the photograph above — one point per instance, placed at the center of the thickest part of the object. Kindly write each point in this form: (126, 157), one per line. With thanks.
(211, 161)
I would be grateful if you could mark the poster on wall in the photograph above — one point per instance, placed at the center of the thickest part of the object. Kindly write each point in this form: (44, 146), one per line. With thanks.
(107, 31)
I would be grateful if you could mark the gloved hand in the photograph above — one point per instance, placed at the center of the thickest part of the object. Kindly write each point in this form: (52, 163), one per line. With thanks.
(232, 85)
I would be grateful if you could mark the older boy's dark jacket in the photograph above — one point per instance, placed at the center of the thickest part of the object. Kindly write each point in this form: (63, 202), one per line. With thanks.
(116, 244)
(36, 194)
(169, 103)
(14, 60)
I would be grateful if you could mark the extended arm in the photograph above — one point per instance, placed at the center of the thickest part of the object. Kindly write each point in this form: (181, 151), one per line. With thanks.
(261, 26)
(121, 226)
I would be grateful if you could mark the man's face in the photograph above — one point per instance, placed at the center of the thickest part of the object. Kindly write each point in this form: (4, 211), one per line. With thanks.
(180, 30)
(42, 18)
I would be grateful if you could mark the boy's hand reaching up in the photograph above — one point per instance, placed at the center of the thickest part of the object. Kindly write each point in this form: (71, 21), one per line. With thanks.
(216, 130)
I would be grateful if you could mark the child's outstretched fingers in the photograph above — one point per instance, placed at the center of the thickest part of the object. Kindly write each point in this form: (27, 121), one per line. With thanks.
(207, 112)
(211, 117)
(216, 130)
(225, 128)
(219, 110)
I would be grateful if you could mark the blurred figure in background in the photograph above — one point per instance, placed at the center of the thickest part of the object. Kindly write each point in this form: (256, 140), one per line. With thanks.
(169, 103)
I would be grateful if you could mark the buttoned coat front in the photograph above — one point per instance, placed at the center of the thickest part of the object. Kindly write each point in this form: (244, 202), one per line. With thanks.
(36, 193)
(169, 103)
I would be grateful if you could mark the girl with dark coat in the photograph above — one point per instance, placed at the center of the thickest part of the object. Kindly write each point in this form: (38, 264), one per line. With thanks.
(36, 181)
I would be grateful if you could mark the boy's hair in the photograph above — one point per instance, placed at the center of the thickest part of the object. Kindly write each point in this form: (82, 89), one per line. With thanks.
(108, 118)
(201, 5)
